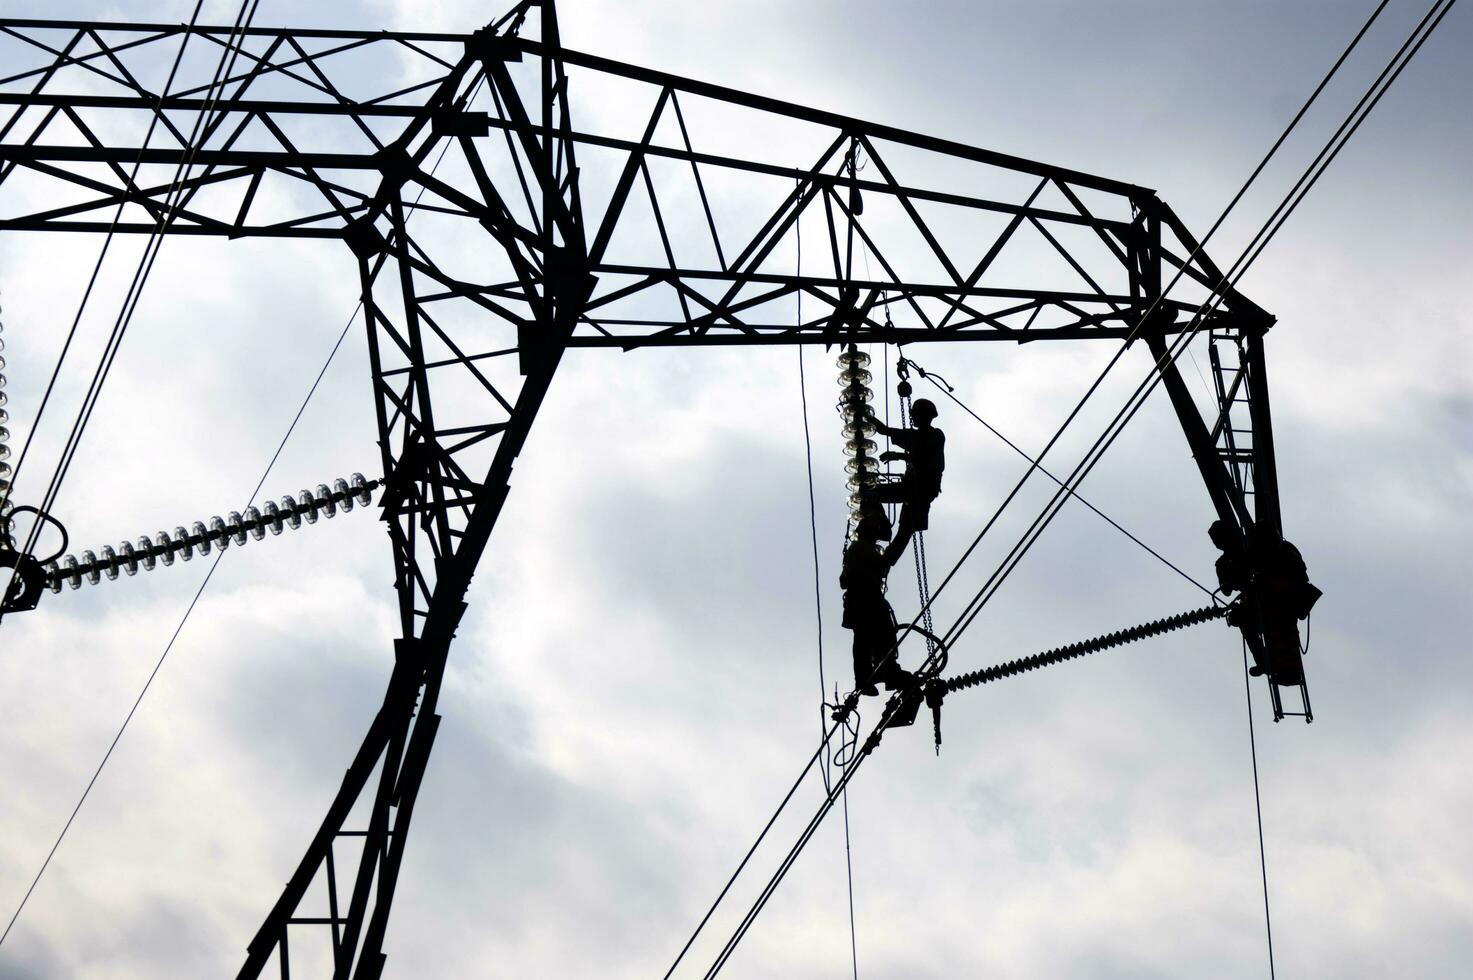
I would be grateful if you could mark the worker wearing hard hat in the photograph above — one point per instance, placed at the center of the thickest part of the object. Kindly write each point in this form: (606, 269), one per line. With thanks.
(924, 454)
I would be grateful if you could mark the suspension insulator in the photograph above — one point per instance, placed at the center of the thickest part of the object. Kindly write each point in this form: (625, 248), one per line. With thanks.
(199, 538)
(853, 406)
(5, 471)
(128, 558)
(219, 533)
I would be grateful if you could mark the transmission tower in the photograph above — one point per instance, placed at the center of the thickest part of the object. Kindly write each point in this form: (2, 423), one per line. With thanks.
(548, 228)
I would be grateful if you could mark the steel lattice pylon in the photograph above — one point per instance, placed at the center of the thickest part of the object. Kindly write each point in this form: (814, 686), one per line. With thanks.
(963, 244)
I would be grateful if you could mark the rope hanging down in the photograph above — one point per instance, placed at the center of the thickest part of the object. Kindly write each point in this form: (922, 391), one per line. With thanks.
(1226, 284)
(1107, 438)
(209, 575)
(918, 541)
(1403, 57)
(824, 707)
(943, 386)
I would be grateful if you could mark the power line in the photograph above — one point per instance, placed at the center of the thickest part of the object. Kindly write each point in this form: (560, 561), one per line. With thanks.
(106, 242)
(1245, 259)
(817, 754)
(1268, 923)
(1021, 452)
(1145, 318)
(9, 490)
(199, 134)
(46, 863)
(220, 554)
(818, 618)
(969, 614)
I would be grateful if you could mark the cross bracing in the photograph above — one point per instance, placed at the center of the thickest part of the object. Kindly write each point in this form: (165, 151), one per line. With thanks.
(412, 148)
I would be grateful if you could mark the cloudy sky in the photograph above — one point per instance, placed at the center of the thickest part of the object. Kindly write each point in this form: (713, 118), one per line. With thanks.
(638, 679)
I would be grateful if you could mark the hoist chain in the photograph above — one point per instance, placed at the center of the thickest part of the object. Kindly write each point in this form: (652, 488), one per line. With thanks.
(918, 542)
(1079, 649)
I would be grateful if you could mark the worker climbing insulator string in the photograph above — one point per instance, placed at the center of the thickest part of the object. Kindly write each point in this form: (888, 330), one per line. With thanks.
(923, 584)
(862, 578)
(866, 567)
(218, 533)
(923, 448)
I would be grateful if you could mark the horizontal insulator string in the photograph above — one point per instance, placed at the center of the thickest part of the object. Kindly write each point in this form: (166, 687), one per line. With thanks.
(218, 533)
(1079, 649)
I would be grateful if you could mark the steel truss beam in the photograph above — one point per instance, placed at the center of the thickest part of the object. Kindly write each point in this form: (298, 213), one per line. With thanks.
(693, 242)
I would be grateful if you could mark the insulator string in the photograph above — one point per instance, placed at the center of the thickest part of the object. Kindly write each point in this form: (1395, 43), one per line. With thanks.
(6, 541)
(218, 533)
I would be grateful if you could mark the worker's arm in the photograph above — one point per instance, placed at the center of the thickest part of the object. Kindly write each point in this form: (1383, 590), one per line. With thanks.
(882, 428)
(892, 456)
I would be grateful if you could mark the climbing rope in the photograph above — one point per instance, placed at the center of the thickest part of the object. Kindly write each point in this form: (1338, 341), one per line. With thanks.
(943, 386)
(1268, 922)
(5, 505)
(918, 539)
(1399, 61)
(845, 746)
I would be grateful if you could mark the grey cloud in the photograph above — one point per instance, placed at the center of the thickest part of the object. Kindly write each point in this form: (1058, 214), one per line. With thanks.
(635, 683)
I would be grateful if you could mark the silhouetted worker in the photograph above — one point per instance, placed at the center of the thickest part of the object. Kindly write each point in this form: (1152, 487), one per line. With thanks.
(1275, 593)
(866, 610)
(925, 462)
(1233, 573)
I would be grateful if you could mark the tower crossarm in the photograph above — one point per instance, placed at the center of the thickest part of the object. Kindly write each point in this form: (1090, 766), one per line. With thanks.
(494, 229)
(288, 141)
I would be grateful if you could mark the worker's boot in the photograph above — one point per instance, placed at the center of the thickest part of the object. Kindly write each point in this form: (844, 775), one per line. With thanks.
(864, 681)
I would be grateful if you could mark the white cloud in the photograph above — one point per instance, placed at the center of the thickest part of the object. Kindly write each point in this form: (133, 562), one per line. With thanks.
(634, 686)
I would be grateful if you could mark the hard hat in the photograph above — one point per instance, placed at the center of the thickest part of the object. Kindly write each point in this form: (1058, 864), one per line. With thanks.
(923, 409)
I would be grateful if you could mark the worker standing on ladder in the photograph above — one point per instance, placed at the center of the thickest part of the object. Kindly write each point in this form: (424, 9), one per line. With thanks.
(1274, 592)
(925, 461)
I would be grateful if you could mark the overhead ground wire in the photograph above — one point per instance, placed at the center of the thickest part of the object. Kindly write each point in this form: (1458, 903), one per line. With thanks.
(850, 770)
(209, 574)
(198, 134)
(1145, 318)
(1021, 452)
(1268, 923)
(1235, 272)
(203, 124)
(818, 615)
(33, 534)
(817, 755)
(102, 254)
(1415, 40)
(46, 863)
